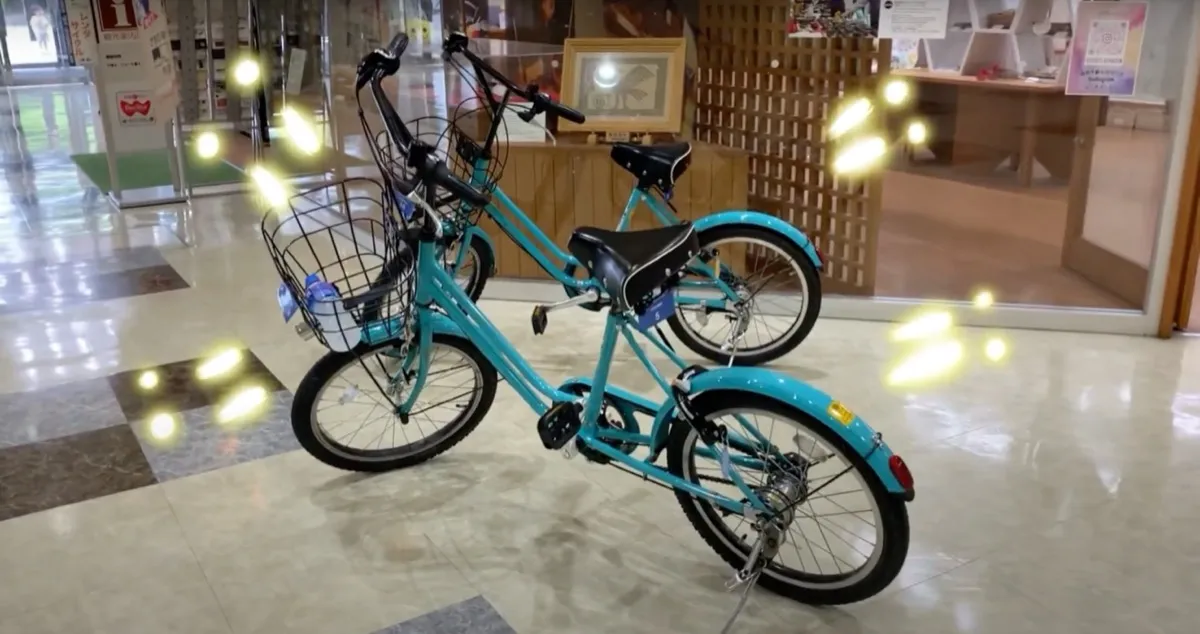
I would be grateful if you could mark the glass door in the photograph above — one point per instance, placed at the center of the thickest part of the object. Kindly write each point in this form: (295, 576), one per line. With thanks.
(32, 33)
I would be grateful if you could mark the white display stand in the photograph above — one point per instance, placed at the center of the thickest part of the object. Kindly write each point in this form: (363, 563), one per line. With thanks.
(126, 48)
(971, 45)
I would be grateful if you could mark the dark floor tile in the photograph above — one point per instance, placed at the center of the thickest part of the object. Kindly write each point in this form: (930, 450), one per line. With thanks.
(473, 616)
(62, 410)
(107, 261)
(144, 281)
(179, 387)
(64, 285)
(73, 469)
(205, 439)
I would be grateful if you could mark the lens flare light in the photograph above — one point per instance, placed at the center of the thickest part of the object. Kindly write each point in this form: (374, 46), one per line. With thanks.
(246, 72)
(926, 326)
(208, 145)
(995, 349)
(242, 404)
(270, 187)
(163, 427)
(917, 133)
(860, 156)
(148, 380)
(219, 365)
(983, 300)
(300, 131)
(851, 117)
(896, 92)
(928, 363)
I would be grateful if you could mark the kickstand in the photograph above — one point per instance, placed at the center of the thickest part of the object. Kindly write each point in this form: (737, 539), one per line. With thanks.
(747, 577)
(749, 585)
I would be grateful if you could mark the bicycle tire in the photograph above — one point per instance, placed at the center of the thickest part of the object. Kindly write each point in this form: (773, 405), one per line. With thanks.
(706, 520)
(776, 348)
(310, 436)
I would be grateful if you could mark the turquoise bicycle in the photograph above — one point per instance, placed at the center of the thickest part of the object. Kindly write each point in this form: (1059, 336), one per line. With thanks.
(748, 313)
(763, 465)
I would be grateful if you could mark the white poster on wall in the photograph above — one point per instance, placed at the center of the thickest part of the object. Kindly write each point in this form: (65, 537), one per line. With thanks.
(82, 29)
(914, 19)
(137, 67)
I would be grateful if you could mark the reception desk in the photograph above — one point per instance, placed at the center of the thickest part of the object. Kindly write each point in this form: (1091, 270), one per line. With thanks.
(561, 187)
(984, 123)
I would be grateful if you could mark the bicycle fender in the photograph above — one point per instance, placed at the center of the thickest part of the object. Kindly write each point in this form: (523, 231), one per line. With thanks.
(473, 233)
(765, 221)
(817, 404)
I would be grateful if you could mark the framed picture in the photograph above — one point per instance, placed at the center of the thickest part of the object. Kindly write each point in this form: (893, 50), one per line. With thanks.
(624, 84)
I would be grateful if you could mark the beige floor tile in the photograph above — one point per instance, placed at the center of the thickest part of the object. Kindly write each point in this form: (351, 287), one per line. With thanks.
(358, 578)
(103, 545)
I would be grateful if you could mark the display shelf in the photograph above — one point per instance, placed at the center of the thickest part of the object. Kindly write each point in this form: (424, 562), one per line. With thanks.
(1015, 36)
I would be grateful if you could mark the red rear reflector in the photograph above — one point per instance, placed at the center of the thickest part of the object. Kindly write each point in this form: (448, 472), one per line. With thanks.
(900, 470)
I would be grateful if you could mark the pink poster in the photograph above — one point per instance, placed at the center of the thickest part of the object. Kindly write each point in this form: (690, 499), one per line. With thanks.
(1106, 48)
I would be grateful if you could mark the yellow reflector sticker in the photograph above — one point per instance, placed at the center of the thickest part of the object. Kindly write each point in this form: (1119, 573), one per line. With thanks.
(840, 413)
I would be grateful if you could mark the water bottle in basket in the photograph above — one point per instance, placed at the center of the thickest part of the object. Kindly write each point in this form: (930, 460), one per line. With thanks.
(324, 305)
(338, 325)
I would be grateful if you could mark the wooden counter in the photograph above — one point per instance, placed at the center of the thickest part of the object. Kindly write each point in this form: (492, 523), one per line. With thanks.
(570, 185)
(985, 122)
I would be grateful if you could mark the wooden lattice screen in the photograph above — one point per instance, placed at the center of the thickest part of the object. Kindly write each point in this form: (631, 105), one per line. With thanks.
(770, 95)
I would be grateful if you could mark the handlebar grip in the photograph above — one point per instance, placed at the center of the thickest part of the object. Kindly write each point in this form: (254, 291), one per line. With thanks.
(569, 113)
(451, 183)
(398, 44)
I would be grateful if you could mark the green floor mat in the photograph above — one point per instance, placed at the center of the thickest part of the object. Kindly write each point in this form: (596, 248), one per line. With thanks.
(141, 170)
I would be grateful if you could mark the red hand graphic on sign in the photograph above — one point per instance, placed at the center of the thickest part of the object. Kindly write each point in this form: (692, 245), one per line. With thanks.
(130, 108)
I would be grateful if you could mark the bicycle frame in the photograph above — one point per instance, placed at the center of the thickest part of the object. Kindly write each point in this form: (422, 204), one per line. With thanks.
(436, 287)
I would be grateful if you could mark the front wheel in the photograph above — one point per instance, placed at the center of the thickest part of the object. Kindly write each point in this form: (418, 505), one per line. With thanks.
(342, 413)
(778, 301)
(845, 537)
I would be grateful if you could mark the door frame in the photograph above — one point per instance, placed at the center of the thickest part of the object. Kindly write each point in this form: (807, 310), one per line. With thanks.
(1185, 241)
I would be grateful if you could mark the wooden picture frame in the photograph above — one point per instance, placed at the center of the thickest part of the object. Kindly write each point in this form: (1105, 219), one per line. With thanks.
(650, 70)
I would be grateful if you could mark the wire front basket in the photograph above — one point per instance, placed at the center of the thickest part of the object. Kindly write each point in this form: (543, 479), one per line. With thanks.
(340, 252)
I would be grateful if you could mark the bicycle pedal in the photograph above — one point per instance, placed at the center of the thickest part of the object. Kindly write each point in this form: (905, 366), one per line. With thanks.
(560, 424)
(540, 319)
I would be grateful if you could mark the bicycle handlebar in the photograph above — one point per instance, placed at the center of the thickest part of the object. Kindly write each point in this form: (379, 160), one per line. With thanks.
(420, 156)
(539, 101)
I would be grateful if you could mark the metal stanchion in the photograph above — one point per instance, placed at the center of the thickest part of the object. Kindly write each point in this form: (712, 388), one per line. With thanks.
(180, 156)
(114, 178)
(210, 73)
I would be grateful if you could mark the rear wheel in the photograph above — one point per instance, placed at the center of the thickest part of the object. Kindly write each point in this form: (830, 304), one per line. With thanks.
(342, 417)
(843, 543)
(779, 297)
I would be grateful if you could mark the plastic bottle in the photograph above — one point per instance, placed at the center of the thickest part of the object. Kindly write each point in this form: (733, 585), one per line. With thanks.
(337, 324)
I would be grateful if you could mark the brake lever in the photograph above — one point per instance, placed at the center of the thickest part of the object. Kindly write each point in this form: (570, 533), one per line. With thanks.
(537, 103)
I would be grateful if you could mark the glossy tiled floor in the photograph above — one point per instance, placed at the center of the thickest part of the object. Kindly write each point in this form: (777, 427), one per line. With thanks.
(1056, 489)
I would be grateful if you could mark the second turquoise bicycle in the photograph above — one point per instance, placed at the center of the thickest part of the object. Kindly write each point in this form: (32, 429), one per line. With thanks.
(752, 294)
